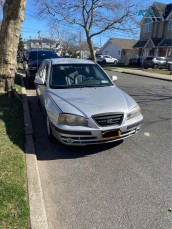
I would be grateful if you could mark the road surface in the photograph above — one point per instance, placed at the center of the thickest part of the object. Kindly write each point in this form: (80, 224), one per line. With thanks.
(111, 186)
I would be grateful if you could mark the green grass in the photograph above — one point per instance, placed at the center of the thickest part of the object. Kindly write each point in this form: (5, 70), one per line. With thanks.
(159, 71)
(108, 67)
(14, 208)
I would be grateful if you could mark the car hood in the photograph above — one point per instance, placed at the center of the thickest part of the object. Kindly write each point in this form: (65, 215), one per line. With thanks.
(35, 63)
(92, 101)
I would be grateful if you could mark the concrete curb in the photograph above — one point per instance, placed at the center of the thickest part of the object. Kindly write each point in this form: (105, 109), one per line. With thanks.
(38, 218)
(143, 75)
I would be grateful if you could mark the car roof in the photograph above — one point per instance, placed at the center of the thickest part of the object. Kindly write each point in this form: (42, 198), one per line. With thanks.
(41, 50)
(70, 61)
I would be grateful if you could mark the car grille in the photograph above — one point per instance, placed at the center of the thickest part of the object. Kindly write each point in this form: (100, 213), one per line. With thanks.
(108, 119)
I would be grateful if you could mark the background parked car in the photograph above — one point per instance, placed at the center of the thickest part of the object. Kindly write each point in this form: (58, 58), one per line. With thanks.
(155, 62)
(169, 64)
(106, 59)
(137, 61)
(33, 60)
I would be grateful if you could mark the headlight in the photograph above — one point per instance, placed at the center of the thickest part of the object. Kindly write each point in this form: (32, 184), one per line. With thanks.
(134, 112)
(72, 120)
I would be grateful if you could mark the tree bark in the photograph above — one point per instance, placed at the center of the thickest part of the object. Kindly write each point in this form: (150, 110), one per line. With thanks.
(90, 44)
(13, 16)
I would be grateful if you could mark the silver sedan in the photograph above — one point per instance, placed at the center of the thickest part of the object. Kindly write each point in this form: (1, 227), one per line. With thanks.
(82, 104)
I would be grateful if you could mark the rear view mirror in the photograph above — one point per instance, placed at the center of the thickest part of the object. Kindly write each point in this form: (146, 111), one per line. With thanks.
(38, 80)
(114, 78)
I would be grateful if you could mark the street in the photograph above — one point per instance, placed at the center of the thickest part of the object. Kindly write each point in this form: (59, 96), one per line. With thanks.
(123, 185)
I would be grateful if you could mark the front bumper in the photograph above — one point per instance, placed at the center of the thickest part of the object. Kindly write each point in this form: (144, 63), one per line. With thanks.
(93, 136)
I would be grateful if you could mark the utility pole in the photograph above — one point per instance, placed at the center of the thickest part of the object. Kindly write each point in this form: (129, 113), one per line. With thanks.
(39, 37)
(80, 40)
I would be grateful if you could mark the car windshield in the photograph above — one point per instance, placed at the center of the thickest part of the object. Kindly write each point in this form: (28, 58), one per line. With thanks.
(78, 75)
(41, 55)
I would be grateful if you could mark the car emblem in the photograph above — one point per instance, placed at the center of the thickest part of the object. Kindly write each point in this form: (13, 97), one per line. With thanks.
(109, 121)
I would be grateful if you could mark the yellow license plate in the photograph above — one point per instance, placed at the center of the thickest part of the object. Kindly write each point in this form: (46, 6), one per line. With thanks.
(111, 134)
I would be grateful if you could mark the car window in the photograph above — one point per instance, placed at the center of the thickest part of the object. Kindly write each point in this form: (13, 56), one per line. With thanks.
(74, 75)
(149, 58)
(41, 55)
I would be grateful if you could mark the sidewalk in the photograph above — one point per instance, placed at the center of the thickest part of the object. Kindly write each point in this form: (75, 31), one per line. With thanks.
(38, 218)
(142, 73)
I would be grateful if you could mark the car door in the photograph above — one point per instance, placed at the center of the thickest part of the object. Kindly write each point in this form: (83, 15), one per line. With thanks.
(109, 59)
(43, 73)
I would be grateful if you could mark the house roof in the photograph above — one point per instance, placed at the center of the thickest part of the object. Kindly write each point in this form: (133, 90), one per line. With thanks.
(123, 43)
(156, 41)
(168, 10)
(164, 9)
(140, 44)
(166, 42)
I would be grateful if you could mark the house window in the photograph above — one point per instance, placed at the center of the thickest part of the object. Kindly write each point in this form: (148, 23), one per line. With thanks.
(106, 51)
(147, 26)
(170, 24)
(119, 52)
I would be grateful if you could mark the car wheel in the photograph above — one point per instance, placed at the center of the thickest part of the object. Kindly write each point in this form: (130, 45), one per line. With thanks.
(49, 130)
(104, 62)
(115, 62)
(155, 66)
(28, 81)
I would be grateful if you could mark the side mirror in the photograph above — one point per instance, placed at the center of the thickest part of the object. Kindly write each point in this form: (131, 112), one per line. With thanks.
(114, 78)
(38, 80)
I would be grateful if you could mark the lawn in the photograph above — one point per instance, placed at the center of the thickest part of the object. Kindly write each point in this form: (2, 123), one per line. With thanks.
(108, 67)
(14, 208)
(159, 71)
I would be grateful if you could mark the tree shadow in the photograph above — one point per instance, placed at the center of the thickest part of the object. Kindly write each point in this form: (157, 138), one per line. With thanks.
(11, 114)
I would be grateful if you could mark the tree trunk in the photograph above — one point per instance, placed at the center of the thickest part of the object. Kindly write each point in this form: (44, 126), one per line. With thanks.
(13, 16)
(90, 44)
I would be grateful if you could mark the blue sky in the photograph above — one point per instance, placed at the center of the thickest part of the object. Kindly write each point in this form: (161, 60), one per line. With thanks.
(32, 25)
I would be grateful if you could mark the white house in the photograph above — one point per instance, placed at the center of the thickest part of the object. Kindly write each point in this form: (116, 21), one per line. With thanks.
(43, 43)
(120, 49)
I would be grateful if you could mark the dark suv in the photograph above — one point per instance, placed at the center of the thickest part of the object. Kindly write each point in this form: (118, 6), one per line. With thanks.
(33, 60)
(155, 62)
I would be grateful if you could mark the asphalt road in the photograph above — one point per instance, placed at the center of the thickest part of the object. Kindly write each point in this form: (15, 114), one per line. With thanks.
(112, 186)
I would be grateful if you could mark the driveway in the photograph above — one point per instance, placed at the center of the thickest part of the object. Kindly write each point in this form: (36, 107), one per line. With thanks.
(125, 185)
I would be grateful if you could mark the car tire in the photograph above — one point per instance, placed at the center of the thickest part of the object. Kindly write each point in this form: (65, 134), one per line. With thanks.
(115, 62)
(104, 62)
(155, 66)
(145, 67)
(49, 130)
